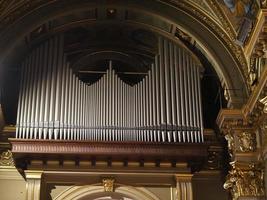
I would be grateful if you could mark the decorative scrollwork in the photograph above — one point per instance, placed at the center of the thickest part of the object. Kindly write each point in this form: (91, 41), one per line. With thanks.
(6, 159)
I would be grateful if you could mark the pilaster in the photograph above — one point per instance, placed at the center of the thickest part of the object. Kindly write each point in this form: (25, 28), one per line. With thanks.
(33, 187)
(184, 186)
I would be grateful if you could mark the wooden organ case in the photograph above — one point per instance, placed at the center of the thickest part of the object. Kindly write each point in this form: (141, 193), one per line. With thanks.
(157, 119)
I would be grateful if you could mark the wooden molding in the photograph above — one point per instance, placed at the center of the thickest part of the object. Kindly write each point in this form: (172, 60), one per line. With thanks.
(113, 150)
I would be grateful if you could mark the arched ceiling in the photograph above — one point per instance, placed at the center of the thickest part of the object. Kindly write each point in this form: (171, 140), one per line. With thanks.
(203, 20)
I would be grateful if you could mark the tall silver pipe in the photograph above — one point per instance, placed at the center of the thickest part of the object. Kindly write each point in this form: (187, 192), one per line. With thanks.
(62, 98)
(87, 118)
(33, 92)
(182, 89)
(124, 118)
(136, 113)
(158, 97)
(53, 89)
(20, 101)
(23, 117)
(142, 110)
(101, 107)
(37, 92)
(119, 109)
(150, 109)
(154, 102)
(80, 111)
(126, 107)
(200, 107)
(30, 91)
(177, 72)
(72, 106)
(109, 98)
(173, 91)
(195, 105)
(58, 82)
(162, 85)
(25, 98)
(116, 106)
(191, 106)
(113, 105)
(96, 110)
(67, 108)
(167, 59)
(44, 60)
(185, 57)
(146, 108)
(105, 104)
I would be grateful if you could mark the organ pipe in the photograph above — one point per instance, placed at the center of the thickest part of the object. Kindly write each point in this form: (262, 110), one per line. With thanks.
(165, 106)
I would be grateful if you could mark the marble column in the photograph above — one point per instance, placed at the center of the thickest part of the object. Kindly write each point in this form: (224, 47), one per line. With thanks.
(33, 187)
(184, 186)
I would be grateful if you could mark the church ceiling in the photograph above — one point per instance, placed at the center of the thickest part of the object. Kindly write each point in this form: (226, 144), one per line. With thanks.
(209, 14)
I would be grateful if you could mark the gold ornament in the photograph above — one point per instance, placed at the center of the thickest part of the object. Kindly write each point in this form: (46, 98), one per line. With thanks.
(108, 184)
(6, 159)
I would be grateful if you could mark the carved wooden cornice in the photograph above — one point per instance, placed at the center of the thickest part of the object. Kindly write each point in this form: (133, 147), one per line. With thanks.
(250, 114)
(258, 36)
(116, 150)
(240, 125)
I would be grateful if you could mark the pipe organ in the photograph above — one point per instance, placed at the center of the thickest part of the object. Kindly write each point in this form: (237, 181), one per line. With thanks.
(164, 107)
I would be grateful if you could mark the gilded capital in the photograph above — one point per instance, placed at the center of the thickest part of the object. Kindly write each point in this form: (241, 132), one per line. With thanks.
(245, 182)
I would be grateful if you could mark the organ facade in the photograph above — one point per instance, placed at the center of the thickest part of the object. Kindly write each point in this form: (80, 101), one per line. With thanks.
(130, 100)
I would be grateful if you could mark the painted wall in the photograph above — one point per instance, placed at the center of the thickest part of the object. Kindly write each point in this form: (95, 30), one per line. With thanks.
(12, 185)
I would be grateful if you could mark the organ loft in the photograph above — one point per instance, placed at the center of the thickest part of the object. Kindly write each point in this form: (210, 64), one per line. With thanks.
(133, 100)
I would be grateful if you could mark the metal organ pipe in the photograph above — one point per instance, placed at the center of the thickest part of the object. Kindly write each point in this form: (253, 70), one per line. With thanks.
(165, 106)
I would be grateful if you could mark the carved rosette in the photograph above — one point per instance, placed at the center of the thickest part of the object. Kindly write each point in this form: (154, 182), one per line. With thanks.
(108, 184)
(6, 159)
(245, 181)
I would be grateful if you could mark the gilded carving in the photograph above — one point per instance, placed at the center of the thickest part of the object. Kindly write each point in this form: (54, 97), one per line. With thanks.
(247, 142)
(236, 49)
(231, 143)
(108, 184)
(6, 159)
(245, 182)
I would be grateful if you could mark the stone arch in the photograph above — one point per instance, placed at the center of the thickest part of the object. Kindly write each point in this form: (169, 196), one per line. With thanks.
(91, 192)
(217, 47)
